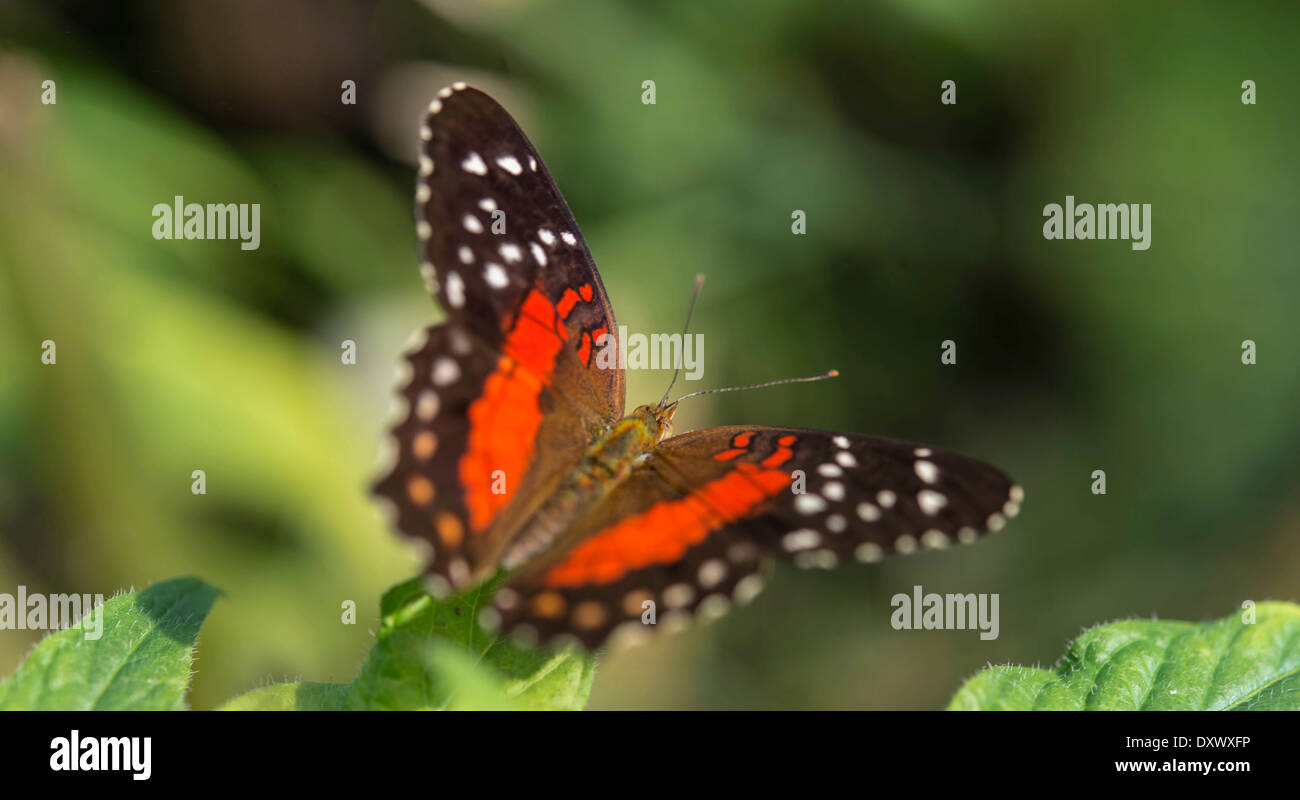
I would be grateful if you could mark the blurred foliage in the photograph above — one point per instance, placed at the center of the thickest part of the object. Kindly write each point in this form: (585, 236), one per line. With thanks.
(924, 225)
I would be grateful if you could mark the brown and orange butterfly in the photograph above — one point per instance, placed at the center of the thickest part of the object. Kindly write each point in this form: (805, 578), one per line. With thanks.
(516, 452)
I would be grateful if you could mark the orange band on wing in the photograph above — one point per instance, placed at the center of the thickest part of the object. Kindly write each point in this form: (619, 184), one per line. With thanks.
(503, 422)
(567, 301)
(584, 349)
(663, 532)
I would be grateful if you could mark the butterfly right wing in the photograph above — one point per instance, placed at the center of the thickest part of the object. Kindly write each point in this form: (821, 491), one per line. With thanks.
(690, 531)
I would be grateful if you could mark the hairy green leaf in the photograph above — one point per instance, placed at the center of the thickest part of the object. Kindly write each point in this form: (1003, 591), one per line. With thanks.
(432, 654)
(140, 660)
(1246, 661)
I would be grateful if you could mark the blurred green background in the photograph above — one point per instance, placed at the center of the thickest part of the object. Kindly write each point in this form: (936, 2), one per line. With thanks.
(924, 224)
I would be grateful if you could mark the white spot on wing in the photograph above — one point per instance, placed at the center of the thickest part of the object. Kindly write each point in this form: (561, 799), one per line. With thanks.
(511, 252)
(472, 224)
(809, 504)
(510, 164)
(455, 290)
(868, 552)
(538, 253)
(460, 344)
(934, 539)
(803, 539)
(712, 572)
(747, 588)
(426, 405)
(445, 371)
(679, 595)
(495, 276)
(474, 163)
(927, 471)
(930, 501)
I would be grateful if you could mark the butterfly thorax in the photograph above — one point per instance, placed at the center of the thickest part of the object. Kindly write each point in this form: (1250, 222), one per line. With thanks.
(614, 454)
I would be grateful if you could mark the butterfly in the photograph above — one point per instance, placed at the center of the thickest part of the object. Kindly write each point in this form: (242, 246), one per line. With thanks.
(516, 453)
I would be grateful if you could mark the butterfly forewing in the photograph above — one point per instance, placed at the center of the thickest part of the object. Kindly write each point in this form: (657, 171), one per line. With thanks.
(499, 241)
(849, 496)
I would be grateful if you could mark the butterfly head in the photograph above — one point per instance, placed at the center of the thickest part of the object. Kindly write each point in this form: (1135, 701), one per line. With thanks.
(657, 419)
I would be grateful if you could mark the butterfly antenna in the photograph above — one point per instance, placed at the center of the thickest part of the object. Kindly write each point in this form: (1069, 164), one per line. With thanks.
(823, 376)
(695, 295)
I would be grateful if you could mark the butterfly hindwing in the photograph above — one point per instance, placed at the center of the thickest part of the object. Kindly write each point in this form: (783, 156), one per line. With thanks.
(650, 555)
(691, 529)
(447, 373)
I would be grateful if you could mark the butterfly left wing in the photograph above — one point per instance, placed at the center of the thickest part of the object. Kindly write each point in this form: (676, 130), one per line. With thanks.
(505, 395)
(691, 529)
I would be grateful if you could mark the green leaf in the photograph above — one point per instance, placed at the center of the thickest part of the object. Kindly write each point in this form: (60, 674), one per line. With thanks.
(432, 654)
(1229, 664)
(141, 659)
